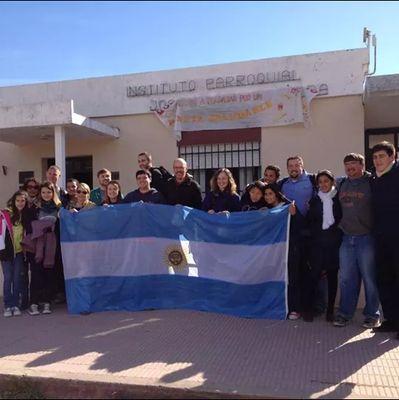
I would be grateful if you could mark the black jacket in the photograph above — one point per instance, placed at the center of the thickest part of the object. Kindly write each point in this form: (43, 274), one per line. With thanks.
(314, 221)
(385, 202)
(7, 254)
(159, 178)
(188, 193)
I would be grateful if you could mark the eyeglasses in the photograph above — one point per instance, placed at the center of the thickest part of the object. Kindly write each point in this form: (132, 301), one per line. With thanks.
(32, 187)
(81, 191)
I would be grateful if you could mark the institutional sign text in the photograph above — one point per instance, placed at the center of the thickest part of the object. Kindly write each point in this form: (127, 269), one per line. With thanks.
(220, 82)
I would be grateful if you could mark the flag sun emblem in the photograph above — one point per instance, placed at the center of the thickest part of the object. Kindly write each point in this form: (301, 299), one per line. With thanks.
(175, 257)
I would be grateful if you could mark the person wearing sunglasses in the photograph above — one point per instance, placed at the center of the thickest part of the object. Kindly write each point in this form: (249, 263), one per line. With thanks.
(82, 198)
(32, 187)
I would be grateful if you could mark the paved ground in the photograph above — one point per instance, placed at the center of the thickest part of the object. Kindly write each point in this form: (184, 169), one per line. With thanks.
(204, 352)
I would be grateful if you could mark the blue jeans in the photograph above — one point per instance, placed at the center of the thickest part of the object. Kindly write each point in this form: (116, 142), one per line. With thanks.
(12, 271)
(357, 264)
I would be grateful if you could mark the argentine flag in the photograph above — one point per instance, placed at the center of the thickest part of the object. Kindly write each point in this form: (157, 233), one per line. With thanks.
(147, 256)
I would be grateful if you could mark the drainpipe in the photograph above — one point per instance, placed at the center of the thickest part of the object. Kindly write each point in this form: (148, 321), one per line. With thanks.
(369, 40)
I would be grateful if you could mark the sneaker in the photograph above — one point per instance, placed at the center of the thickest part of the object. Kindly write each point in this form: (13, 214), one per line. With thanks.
(386, 326)
(340, 321)
(293, 316)
(371, 323)
(16, 312)
(34, 310)
(46, 308)
(8, 312)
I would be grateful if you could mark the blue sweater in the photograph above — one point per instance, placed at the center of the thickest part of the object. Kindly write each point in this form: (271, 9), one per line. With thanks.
(300, 191)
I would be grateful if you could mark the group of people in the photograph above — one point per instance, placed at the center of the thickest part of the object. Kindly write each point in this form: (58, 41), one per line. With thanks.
(342, 231)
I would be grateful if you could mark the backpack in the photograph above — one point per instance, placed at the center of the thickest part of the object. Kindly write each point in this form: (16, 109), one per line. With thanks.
(159, 181)
(166, 175)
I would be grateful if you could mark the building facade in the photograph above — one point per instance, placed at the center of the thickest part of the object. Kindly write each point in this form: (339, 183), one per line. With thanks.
(105, 122)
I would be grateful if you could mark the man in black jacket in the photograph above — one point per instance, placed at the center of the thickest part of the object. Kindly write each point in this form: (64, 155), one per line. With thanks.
(183, 189)
(159, 176)
(385, 203)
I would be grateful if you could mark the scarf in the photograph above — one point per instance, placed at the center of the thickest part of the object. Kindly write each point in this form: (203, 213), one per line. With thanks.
(327, 200)
(49, 207)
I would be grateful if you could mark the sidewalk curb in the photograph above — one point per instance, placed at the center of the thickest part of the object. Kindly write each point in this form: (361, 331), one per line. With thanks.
(59, 388)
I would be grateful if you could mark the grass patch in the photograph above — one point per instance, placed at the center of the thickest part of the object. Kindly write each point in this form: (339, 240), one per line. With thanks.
(20, 388)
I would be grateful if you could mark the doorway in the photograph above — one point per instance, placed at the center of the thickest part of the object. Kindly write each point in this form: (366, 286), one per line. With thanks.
(80, 168)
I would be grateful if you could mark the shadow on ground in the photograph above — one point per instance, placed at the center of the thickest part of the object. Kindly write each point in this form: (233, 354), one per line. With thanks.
(204, 351)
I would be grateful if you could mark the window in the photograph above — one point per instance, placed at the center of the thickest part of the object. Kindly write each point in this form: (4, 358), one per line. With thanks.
(24, 175)
(115, 175)
(80, 168)
(242, 159)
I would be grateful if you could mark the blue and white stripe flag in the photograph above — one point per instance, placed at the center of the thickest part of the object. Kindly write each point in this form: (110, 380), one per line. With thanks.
(144, 256)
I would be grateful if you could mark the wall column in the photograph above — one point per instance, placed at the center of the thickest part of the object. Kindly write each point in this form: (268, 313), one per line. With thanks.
(59, 143)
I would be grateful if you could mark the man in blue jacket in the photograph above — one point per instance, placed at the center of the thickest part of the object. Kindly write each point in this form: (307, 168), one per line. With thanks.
(299, 186)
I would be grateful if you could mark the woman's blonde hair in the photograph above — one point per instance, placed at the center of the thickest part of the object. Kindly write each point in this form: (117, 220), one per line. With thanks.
(51, 187)
(231, 186)
(86, 188)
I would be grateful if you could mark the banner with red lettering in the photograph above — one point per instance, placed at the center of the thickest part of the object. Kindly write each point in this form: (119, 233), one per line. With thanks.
(276, 107)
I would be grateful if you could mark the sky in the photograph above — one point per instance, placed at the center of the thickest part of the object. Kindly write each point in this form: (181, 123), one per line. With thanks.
(52, 41)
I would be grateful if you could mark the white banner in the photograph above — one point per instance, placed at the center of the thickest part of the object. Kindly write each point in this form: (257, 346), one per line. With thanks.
(232, 111)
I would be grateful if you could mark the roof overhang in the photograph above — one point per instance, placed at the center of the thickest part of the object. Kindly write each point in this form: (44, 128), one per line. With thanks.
(24, 124)
(381, 101)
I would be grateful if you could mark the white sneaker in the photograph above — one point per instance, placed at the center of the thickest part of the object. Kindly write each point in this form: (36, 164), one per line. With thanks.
(34, 309)
(16, 312)
(8, 312)
(293, 316)
(46, 308)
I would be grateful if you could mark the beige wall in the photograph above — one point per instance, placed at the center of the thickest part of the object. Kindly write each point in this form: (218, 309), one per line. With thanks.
(137, 133)
(9, 155)
(337, 128)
